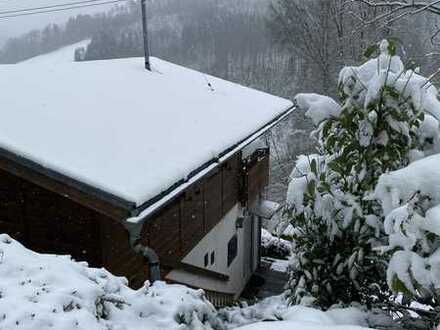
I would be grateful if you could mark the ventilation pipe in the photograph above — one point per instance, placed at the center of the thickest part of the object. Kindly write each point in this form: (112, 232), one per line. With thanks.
(134, 231)
(145, 34)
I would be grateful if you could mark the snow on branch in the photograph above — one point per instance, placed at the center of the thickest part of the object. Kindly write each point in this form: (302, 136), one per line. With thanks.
(414, 7)
(396, 10)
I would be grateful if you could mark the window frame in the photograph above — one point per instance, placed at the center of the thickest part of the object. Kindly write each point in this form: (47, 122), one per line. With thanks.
(232, 249)
(206, 260)
(212, 258)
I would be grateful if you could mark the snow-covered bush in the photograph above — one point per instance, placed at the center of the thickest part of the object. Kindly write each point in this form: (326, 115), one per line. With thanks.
(53, 292)
(374, 130)
(410, 199)
(274, 247)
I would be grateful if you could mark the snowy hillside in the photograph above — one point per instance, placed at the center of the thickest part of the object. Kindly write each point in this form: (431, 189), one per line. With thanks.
(62, 55)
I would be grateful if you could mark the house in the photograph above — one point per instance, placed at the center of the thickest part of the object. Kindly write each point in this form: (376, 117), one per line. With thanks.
(119, 167)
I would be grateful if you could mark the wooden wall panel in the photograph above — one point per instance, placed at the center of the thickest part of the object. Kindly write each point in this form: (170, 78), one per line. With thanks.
(51, 223)
(230, 183)
(11, 207)
(258, 178)
(174, 231)
(58, 225)
(193, 220)
(118, 256)
(165, 232)
(212, 195)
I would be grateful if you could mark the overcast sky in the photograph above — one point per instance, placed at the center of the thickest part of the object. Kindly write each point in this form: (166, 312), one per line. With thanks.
(15, 26)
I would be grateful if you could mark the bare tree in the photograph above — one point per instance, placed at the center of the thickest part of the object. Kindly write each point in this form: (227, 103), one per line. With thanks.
(320, 36)
(403, 7)
(415, 21)
(394, 11)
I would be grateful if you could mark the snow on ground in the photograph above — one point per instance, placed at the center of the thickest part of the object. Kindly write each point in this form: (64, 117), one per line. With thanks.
(292, 325)
(60, 56)
(53, 292)
(45, 292)
(279, 265)
(125, 130)
(288, 325)
(274, 314)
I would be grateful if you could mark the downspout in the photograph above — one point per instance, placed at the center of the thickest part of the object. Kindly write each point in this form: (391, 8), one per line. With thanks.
(134, 232)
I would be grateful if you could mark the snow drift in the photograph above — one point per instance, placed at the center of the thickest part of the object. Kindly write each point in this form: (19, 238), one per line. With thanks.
(54, 292)
(274, 314)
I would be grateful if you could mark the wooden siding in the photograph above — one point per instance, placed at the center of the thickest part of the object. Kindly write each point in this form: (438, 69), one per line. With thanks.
(64, 186)
(165, 232)
(11, 207)
(193, 218)
(231, 173)
(258, 178)
(213, 199)
(179, 227)
(52, 223)
(255, 177)
(47, 222)
(118, 256)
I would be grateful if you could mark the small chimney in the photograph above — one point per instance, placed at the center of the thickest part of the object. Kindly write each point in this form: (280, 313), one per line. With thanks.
(145, 34)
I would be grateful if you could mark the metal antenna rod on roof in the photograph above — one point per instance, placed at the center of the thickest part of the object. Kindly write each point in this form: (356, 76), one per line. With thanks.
(145, 32)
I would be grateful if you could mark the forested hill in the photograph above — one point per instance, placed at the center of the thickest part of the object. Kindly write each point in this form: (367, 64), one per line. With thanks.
(223, 37)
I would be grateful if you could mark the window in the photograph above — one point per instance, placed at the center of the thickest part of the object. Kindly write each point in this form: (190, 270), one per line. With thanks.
(212, 258)
(206, 260)
(232, 249)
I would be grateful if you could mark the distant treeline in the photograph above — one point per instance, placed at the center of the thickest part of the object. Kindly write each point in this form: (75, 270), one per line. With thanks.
(54, 36)
(226, 38)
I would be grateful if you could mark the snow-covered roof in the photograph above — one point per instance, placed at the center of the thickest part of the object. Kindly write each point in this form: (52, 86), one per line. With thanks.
(124, 130)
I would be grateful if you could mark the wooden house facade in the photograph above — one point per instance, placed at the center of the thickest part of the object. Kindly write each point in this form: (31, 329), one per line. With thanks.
(200, 227)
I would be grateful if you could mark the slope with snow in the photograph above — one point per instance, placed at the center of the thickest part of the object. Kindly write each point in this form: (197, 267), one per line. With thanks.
(62, 55)
(122, 129)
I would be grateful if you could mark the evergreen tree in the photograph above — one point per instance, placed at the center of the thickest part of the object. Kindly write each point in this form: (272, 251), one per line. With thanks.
(410, 200)
(338, 225)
